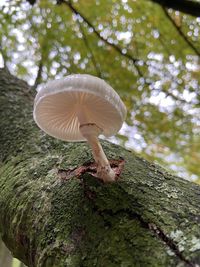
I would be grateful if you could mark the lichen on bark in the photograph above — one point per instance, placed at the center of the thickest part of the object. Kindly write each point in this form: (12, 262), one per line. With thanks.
(147, 218)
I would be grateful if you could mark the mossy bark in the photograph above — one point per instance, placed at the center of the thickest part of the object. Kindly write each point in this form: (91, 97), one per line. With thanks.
(55, 213)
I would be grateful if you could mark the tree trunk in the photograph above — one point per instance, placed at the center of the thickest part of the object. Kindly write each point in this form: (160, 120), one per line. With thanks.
(186, 6)
(54, 212)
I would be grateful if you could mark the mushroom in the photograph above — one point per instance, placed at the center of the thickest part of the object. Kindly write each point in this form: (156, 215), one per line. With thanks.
(80, 107)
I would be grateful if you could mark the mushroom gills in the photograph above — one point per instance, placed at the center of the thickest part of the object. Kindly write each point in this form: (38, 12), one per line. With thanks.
(79, 107)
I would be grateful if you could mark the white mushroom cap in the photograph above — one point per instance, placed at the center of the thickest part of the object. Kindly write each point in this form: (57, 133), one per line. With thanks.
(62, 105)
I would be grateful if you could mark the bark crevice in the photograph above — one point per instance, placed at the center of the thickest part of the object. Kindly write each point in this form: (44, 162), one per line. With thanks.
(151, 226)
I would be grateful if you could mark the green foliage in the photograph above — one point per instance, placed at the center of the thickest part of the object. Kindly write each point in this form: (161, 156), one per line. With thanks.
(160, 89)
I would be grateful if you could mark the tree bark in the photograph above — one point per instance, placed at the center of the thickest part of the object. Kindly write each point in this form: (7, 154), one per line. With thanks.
(55, 213)
(186, 6)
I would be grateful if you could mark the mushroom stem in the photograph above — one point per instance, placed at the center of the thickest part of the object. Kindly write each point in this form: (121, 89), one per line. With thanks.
(91, 132)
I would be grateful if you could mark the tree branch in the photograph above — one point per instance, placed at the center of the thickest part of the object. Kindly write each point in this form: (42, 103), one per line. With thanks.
(39, 74)
(185, 6)
(181, 33)
(116, 48)
(98, 71)
(4, 56)
(80, 221)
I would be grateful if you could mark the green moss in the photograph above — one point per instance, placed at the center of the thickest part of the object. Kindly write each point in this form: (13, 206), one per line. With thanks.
(47, 221)
(86, 222)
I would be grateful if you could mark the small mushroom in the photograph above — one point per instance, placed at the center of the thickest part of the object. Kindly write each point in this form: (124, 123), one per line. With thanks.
(80, 107)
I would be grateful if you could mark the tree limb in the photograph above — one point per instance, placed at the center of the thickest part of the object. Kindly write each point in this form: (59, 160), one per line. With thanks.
(39, 74)
(185, 6)
(181, 33)
(55, 213)
(95, 64)
(116, 48)
(4, 56)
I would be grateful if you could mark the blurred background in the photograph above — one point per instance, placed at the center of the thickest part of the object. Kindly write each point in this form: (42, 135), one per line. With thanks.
(149, 53)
